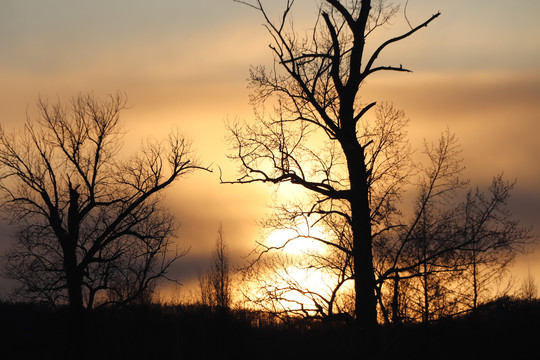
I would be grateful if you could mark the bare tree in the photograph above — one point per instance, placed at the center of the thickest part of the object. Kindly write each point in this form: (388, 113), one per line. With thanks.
(221, 282)
(451, 251)
(529, 289)
(316, 84)
(215, 285)
(420, 250)
(91, 226)
(491, 238)
(332, 262)
(205, 288)
(422, 264)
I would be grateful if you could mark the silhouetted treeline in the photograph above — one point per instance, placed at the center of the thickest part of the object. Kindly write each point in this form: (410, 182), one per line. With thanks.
(505, 328)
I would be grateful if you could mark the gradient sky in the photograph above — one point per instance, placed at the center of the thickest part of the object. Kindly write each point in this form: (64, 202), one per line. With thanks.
(185, 63)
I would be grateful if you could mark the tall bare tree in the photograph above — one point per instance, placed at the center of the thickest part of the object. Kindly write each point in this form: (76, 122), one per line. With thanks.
(491, 238)
(453, 248)
(316, 84)
(221, 279)
(423, 247)
(91, 225)
(215, 285)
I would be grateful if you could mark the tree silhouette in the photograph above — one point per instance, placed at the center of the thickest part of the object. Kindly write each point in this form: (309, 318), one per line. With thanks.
(491, 238)
(91, 227)
(419, 253)
(315, 85)
(451, 251)
(215, 285)
(529, 289)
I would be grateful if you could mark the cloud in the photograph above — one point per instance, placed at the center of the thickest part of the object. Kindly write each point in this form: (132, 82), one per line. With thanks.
(494, 114)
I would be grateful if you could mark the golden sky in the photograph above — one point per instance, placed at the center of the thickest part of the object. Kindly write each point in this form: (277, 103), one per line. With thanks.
(185, 63)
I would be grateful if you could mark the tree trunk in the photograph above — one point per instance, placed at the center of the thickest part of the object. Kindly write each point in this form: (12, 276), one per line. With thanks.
(74, 284)
(73, 275)
(364, 285)
(364, 277)
(77, 328)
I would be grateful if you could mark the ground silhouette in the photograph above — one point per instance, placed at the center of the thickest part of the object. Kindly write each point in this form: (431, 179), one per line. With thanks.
(505, 328)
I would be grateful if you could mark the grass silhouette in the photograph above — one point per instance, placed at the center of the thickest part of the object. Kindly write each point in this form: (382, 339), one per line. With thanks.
(505, 328)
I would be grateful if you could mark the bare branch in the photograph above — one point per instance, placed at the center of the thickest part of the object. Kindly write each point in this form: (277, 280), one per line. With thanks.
(368, 69)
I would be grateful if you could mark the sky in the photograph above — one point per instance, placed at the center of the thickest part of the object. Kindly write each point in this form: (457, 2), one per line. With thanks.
(476, 71)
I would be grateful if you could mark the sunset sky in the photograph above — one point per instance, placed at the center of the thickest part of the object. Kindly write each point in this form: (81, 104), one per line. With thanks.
(185, 63)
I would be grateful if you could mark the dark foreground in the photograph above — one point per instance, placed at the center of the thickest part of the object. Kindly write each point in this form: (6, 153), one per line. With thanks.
(504, 329)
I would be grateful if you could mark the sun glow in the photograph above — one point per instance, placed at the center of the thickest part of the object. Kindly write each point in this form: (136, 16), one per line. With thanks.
(302, 239)
(301, 291)
(296, 278)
